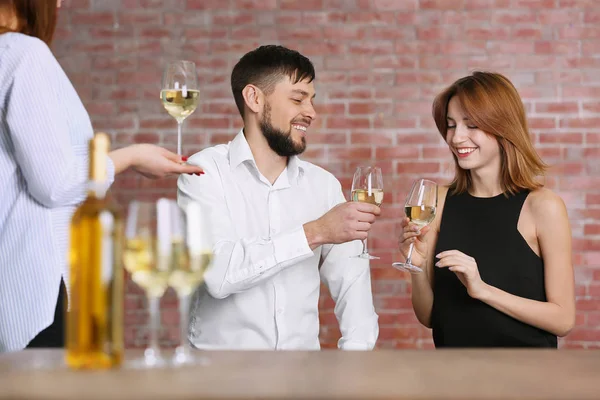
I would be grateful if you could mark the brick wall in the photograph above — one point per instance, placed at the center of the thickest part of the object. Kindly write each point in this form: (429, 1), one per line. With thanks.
(379, 63)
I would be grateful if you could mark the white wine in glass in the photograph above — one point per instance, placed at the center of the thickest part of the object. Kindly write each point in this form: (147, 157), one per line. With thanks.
(180, 94)
(420, 208)
(180, 104)
(363, 195)
(367, 187)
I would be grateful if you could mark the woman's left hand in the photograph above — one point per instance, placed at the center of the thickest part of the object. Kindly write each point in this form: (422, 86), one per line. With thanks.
(156, 162)
(465, 268)
(152, 161)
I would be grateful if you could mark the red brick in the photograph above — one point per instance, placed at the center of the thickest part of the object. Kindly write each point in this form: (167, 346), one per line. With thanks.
(591, 258)
(576, 138)
(369, 108)
(580, 123)
(371, 138)
(139, 18)
(567, 169)
(556, 108)
(559, 17)
(577, 61)
(581, 91)
(395, 4)
(555, 47)
(378, 18)
(360, 153)
(347, 123)
(418, 168)
(323, 17)
(92, 18)
(441, 4)
(579, 32)
(592, 138)
(301, 5)
(327, 138)
(585, 334)
(535, 4)
(593, 107)
(592, 198)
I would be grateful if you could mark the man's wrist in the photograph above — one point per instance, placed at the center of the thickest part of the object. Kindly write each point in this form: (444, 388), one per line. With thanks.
(313, 234)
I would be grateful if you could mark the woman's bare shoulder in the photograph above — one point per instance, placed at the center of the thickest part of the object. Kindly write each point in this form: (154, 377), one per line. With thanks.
(544, 203)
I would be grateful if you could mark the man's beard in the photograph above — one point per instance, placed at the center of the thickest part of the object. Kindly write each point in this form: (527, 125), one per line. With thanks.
(279, 141)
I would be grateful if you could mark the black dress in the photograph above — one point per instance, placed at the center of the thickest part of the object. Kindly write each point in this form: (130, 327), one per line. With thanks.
(486, 229)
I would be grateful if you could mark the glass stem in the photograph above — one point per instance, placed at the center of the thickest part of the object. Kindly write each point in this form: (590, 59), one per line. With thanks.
(365, 247)
(410, 251)
(154, 306)
(184, 322)
(179, 125)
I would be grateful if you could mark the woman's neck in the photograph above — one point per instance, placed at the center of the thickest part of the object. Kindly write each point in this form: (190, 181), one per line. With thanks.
(485, 183)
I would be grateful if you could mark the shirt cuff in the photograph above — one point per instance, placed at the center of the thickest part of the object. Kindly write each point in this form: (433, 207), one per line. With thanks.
(290, 245)
(358, 346)
(110, 171)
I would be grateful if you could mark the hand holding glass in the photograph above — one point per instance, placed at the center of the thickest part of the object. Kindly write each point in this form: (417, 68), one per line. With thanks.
(420, 207)
(367, 187)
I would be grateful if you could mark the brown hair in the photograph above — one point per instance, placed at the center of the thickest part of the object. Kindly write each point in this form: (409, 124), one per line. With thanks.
(34, 17)
(492, 102)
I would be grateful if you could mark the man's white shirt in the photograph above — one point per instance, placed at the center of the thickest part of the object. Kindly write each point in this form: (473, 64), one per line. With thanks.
(262, 290)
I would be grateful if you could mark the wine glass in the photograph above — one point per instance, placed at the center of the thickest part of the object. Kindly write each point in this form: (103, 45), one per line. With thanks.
(191, 256)
(420, 207)
(180, 93)
(147, 257)
(367, 187)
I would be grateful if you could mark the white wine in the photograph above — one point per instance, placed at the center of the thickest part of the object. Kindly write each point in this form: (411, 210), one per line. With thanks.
(420, 215)
(148, 268)
(94, 328)
(180, 104)
(187, 270)
(363, 196)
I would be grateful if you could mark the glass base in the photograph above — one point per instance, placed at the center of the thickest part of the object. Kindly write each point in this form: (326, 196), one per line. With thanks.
(185, 357)
(151, 359)
(413, 269)
(366, 256)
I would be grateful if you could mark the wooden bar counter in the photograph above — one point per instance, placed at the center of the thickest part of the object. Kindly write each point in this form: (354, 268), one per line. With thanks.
(328, 374)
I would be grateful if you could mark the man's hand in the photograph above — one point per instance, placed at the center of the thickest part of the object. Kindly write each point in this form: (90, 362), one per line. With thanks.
(343, 223)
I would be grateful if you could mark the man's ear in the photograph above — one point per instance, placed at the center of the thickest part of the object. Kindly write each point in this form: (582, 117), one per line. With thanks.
(254, 98)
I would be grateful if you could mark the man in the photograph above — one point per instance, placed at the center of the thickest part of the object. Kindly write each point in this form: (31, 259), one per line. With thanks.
(279, 224)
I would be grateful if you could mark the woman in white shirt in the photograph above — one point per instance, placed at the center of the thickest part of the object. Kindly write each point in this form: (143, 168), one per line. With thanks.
(44, 134)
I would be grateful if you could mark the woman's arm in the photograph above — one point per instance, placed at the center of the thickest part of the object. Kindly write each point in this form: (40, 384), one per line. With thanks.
(151, 161)
(38, 128)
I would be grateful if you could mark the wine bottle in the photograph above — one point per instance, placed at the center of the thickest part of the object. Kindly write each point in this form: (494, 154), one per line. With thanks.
(94, 331)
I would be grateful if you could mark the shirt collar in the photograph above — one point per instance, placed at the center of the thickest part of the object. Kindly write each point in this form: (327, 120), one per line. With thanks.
(239, 152)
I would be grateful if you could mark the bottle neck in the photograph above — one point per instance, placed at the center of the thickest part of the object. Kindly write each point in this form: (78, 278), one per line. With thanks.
(97, 174)
(97, 189)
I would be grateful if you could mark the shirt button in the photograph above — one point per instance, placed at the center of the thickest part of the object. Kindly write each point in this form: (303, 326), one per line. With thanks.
(280, 311)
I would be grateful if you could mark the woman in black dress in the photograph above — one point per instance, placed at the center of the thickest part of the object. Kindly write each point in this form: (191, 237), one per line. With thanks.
(496, 260)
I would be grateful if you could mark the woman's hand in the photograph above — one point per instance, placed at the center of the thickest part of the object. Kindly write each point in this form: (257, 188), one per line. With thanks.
(411, 234)
(465, 268)
(151, 161)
